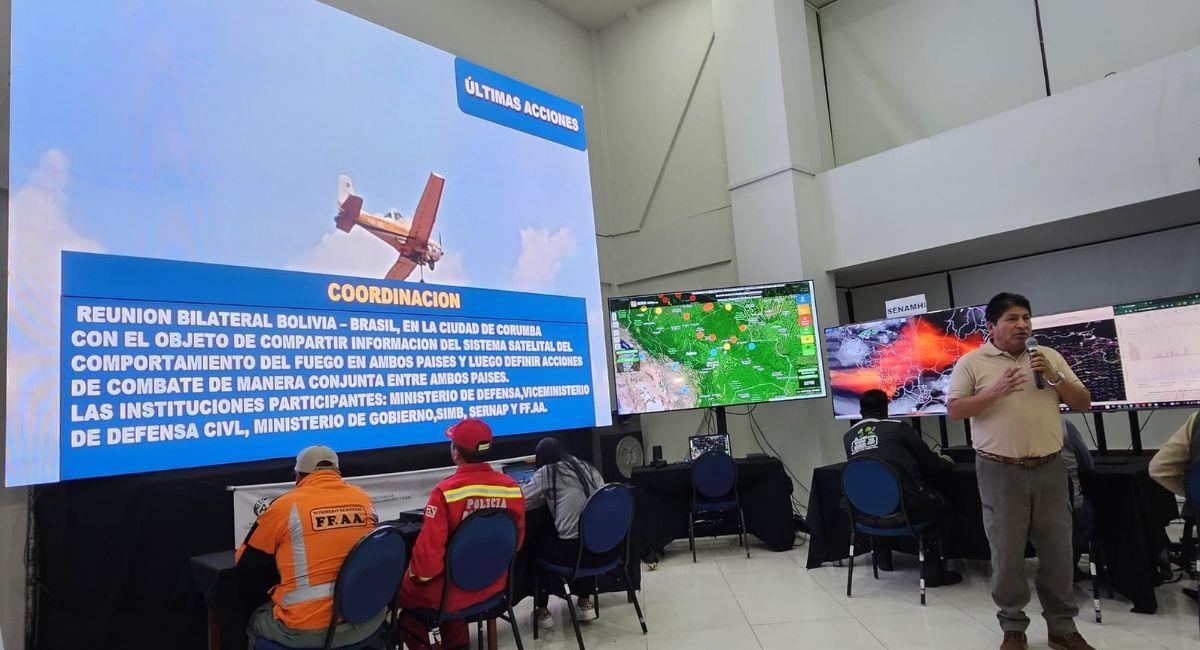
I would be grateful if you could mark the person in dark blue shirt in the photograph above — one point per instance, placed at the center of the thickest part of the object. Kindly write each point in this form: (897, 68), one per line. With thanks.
(900, 446)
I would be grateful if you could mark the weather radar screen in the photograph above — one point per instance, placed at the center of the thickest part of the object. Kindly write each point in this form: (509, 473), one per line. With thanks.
(715, 347)
(909, 358)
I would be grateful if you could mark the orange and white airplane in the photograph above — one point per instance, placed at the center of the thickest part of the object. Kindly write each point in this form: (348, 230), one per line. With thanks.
(410, 237)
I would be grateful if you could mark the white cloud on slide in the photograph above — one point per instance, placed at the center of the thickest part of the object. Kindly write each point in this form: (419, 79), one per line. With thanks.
(542, 255)
(40, 229)
(361, 254)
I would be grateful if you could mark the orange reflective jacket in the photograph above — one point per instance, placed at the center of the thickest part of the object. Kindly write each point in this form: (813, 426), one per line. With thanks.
(309, 530)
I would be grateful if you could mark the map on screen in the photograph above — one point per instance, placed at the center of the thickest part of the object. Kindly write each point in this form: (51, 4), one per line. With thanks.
(1087, 340)
(720, 347)
(908, 358)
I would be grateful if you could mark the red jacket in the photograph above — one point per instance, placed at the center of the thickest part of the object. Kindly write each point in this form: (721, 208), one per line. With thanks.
(474, 486)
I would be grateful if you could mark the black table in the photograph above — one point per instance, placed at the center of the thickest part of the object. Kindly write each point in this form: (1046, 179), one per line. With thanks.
(1131, 513)
(664, 500)
(213, 578)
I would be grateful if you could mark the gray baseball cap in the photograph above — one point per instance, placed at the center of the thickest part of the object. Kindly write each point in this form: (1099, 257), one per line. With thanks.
(310, 457)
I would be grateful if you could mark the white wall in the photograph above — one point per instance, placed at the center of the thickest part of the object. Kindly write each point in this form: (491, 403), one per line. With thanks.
(1087, 39)
(1111, 143)
(664, 178)
(665, 175)
(902, 70)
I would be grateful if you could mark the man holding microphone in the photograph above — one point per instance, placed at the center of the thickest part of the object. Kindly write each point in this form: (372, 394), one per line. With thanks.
(1011, 389)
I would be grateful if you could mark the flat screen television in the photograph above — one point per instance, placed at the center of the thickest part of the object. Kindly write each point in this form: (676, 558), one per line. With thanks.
(1140, 355)
(241, 228)
(716, 347)
(910, 358)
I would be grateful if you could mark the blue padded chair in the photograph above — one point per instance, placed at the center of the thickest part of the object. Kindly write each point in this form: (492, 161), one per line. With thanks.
(714, 490)
(366, 583)
(480, 551)
(1191, 484)
(604, 526)
(873, 489)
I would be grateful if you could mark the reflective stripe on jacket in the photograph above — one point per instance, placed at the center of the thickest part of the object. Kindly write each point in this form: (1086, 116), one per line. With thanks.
(473, 486)
(309, 531)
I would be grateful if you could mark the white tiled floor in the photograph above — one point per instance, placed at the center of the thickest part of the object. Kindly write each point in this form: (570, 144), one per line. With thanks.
(771, 601)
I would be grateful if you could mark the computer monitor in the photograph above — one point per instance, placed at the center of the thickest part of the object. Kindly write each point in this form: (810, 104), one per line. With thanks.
(910, 358)
(520, 472)
(716, 347)
(714, 442)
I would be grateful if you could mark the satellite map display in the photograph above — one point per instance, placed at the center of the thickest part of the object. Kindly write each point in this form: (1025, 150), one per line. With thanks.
(909, 358)
(715, 347)
(1088, 342)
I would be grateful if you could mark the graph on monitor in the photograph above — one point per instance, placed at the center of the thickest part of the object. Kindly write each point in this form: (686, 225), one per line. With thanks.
(1160, 348)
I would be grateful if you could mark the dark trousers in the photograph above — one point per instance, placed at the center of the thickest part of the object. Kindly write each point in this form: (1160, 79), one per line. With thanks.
(563, 552)
(923, 504)
(454, 633)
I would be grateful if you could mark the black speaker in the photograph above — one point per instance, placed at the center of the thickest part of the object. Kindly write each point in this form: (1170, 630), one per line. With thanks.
(657, 451)
(620, 452)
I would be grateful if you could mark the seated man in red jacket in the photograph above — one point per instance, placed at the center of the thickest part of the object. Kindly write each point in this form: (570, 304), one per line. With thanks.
(474, 486)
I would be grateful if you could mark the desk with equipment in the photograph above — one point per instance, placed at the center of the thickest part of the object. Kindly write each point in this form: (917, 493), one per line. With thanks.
(664, 500)
(1131, 512)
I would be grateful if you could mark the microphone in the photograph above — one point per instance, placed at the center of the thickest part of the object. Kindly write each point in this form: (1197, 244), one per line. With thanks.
(1031, 347)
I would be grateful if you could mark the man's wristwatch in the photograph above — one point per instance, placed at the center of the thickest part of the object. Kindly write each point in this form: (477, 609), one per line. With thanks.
(1061, 377)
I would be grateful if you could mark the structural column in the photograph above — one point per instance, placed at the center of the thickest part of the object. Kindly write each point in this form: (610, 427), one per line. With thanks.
(777, 139)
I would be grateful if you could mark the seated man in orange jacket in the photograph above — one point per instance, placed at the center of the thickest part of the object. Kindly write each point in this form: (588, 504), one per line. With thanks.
(473, 486)
(305, 534)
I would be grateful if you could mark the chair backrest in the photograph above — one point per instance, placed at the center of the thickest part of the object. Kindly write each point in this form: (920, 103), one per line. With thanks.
(1191, 484)
(606, 518)
(872, 487)
(370, 574)
(481, 549)
(714, 474)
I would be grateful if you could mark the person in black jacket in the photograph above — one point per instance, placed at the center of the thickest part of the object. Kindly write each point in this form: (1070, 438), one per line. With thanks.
(900, 446)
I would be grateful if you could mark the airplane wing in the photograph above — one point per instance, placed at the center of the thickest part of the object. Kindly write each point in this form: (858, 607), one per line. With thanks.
(348, 213)
(426, 214)
(401, 269)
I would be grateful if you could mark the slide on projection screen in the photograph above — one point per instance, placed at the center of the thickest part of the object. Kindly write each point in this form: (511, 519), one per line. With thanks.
(239, 228)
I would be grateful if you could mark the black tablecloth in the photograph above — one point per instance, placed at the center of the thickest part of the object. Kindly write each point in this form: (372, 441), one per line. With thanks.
(213, 578)
(1131, 512)
(664, 500)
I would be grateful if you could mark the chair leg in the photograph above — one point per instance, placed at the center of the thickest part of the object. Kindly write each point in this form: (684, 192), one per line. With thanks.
(1095, 580)
(1107, 568)
(742, 523)
(596, 596)
(512, 621)
(574, 616)
(874, 560)
(850, 573)
(479, 634)
(637, 607)
(921, 559)
(1188, 551)
(692, 535)
(533, 616)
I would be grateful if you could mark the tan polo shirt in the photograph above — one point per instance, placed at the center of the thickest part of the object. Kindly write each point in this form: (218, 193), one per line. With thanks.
(1170, 464)
(1023, 423)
